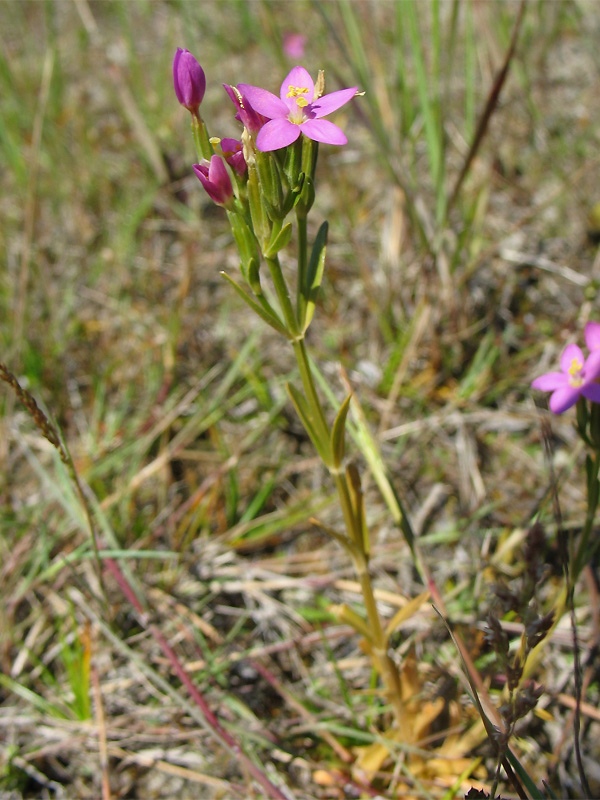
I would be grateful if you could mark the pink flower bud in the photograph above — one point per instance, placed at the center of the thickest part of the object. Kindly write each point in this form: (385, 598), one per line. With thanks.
(189, 80)
(214, 177)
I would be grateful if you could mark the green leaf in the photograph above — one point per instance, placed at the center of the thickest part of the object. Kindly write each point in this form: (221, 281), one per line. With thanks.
(533, 790)
(280, 241)
(338, 432)
(429, 103)
(264, 311)
(348, 616)
(314, 273)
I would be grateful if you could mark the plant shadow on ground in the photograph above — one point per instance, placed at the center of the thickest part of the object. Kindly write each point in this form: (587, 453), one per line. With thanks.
(171, 396)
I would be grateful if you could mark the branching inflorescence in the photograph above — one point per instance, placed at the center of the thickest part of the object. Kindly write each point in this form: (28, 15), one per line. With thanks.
(262, 179)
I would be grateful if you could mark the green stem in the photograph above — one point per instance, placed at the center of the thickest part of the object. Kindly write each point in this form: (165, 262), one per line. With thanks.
(311, 392)
(350, 519)
(582, 554)
(383, 663)
(302, 267)
(201, 140)
(283, 295)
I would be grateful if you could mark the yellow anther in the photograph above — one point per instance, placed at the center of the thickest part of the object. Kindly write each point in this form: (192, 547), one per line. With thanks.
(296, 91)
(576, 367)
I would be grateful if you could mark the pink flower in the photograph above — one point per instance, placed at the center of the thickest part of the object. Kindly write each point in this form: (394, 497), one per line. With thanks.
(189, 80)
(296, 111)
(293, 45)
(214, 177)
(578, 376)
(245, 113)
(592, 336)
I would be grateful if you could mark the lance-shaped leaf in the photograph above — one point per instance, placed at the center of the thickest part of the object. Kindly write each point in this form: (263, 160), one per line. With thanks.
(279, 241)
(341, 538)
(303, 411)
(405, 613)
(314, 275)
(343, 613)
(338, 432)
(264, 310)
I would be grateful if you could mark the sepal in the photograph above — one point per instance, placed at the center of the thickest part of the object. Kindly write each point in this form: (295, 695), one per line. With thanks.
(246, 243)
(258, 212)
(305, 198)
(270, 184)
(292, 165)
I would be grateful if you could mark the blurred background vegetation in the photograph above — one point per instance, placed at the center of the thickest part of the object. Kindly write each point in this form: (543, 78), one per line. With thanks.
(463, 255)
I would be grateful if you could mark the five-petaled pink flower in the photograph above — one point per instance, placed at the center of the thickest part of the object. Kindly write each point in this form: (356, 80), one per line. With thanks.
(578, 376)
(296, 111)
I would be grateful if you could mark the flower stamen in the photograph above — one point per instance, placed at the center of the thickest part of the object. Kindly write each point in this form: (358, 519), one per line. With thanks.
(575, 372)
(297, 91)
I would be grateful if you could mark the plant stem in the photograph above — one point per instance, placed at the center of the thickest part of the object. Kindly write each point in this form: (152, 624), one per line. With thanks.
(384, 665)
(382, 661)
(283, 295)
(583, 553)
(310, 390)
(302, 266)
(201, 140)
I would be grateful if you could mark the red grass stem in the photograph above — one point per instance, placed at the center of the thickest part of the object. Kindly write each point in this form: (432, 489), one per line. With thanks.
(219, 731)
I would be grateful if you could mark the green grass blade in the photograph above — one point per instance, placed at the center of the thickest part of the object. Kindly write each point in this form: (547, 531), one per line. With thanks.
(428, 103)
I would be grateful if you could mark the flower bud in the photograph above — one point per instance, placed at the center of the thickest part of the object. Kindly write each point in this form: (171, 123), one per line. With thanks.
(189, 80)
(233, 152)
(252, 121)
(214, 177)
